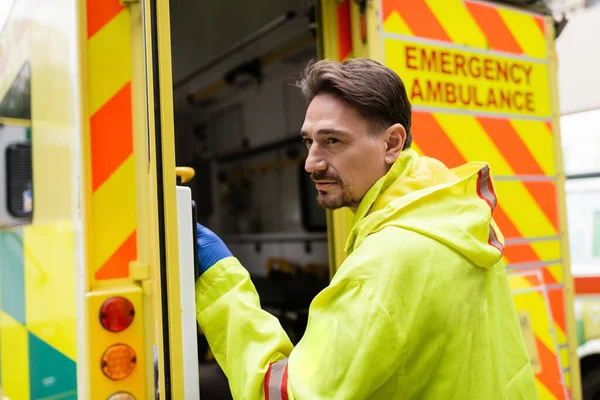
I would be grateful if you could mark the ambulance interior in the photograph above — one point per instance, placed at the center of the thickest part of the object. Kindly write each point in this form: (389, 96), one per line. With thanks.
(237, 121)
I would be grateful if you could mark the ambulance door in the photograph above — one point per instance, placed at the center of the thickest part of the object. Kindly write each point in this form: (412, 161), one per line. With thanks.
(171, 219)
(481, 78)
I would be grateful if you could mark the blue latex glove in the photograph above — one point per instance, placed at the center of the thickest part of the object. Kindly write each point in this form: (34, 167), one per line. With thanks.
(211, 248)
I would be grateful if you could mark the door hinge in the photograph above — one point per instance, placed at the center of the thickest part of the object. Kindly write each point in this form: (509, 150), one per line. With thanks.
(139, 271)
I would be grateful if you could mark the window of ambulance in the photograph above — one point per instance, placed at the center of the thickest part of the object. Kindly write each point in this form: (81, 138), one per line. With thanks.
(581, 154)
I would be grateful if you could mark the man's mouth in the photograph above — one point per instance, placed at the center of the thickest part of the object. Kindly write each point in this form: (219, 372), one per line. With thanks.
(324, 185)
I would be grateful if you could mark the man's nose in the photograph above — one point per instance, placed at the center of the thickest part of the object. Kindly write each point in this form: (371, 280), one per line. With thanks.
(314, 161)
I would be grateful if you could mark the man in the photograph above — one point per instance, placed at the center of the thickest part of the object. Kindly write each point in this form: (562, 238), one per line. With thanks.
(421, 307)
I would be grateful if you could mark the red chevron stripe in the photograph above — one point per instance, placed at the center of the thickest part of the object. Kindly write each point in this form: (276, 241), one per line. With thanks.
(111, 132)
(418, 16)
(510, 144)
(550, 374)
(433, 140)
(541, 23)
(532, 278)
(546, 275)
(508, 229)
(522, 253)
(99, 13)
(518, 253)
(557, 305)
(387, 7)
(344, 30)
(514, 151)
(544, 193)
(117, 266)
(495, 30)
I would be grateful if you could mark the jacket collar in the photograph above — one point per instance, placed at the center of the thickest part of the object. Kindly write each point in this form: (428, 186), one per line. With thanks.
(403, 166)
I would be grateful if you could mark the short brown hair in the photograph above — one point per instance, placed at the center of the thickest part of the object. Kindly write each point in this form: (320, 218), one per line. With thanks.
(376, 91)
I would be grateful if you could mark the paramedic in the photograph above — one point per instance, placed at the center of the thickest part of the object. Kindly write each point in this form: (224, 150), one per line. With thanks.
(420, 308)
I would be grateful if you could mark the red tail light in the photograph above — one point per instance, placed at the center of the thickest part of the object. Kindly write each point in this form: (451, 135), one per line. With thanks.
(116, 314)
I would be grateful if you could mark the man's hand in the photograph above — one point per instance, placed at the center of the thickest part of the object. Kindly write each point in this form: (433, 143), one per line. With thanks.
(211, 248)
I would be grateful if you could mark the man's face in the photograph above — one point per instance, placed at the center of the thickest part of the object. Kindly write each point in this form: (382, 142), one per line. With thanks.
(344, 160)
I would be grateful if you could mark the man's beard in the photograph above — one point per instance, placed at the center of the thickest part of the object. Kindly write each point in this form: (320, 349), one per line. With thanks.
(329, 202)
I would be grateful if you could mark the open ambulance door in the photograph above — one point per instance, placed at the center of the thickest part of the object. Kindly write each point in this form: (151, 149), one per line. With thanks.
(463, 113)
(171, 220)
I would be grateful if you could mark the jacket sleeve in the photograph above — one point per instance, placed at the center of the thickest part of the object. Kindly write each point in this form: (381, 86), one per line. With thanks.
(349, 349)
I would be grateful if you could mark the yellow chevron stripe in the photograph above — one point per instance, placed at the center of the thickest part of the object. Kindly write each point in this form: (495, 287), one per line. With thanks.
(472, 141)
(557, 272)
(561, 337)
(538, 140)
(564, 357)
(458, 22)
(538, 312)
(14, 348)
(567, 379)
(523, 210)
(549, 250)
(396, 24)
(330, 34)
(525, 31)
(518, 283)
(113, 209)
(109, 60)
(416, 148)
(474, 144)
(543, 392)
(49, 266)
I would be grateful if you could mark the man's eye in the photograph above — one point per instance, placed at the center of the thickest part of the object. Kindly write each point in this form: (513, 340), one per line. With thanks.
(307, 141)
(332, 141)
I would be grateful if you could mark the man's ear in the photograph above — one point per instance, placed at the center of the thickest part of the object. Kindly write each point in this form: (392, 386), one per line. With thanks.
(395, 136)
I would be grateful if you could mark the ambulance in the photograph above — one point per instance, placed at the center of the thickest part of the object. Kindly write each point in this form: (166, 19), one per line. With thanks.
(125, 122)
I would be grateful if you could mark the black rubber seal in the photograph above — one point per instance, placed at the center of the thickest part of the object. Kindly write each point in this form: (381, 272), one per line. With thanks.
(160, 200)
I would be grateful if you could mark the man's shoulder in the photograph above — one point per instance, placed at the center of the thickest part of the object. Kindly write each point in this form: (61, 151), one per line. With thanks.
(394, 240)
(393, 250)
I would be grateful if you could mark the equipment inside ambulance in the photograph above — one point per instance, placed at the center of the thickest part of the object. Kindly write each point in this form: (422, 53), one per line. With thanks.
(237, 122)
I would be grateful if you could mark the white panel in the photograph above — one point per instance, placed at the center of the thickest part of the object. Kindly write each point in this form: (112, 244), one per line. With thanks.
(578, 53)
(580, 134)
(188, 293)
(583, 214)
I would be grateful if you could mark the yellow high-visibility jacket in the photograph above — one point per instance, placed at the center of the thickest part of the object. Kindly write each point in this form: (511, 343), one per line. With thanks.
(420, 309)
